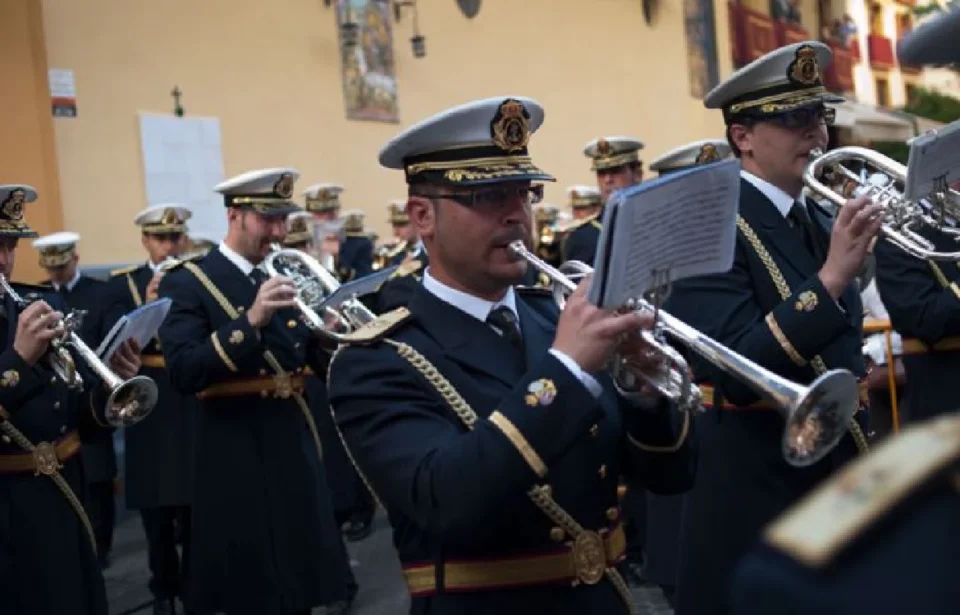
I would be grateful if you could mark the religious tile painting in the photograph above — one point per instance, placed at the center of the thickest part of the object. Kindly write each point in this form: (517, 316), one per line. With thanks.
(369, 73)
(701, 35)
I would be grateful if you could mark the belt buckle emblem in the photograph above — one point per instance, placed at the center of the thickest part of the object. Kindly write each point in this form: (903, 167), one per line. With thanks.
(47, 461)
(589, 557)
(284, 385)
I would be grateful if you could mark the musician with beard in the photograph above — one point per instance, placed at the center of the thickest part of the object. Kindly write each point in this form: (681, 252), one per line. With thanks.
(789, 302)
(261, 515)
(481, 417)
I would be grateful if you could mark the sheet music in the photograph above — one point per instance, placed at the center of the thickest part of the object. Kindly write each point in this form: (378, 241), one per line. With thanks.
(683, 223)
(934, 162)
(141, 324)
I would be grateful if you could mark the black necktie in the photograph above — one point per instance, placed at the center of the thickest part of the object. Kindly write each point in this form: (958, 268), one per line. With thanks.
(505, 321)
(258, 276)
(800, 219)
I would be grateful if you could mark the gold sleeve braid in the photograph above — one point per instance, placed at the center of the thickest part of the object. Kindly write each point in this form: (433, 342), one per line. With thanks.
(271, 360)
(784, 290)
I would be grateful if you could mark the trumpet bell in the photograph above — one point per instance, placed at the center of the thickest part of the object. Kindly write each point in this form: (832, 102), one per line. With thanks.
(820, 417)
(131, 402)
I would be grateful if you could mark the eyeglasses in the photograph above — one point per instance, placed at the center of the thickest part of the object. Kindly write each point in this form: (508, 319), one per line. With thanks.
(801, 118)
(490, 197)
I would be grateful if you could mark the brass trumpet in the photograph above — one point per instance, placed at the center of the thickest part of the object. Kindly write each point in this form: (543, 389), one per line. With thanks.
(816, 416)
(314, 284)
(901, 217)
(130, 401)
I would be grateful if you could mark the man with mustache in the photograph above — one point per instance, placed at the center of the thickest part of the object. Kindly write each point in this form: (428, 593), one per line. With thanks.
(261, 513)
(789, 303)
(48, 556)
(482, 418)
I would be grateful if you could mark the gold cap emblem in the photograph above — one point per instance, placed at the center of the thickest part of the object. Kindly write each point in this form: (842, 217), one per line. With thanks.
(12, 206)
(298, 225)
(509, 127)
(604, 148)
(170, 216)
(804, 70)
(284, 186)
(708, 153)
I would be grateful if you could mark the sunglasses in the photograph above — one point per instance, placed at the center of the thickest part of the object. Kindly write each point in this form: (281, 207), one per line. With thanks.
(801, 118)
(490, 197)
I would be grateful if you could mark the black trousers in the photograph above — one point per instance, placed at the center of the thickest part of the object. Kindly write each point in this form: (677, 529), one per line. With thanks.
(168, 570)
(102, 512)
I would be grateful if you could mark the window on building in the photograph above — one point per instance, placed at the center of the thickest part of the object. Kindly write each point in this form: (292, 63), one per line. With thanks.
(883, 93)
(876, 19)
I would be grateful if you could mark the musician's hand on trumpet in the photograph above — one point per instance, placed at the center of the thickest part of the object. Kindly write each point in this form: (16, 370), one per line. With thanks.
(856, 225)
(276, 293)
(590, 335)
(36, 328)
(125, 362)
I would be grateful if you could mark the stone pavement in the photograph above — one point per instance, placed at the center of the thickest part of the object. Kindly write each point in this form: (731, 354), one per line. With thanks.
(375, 566)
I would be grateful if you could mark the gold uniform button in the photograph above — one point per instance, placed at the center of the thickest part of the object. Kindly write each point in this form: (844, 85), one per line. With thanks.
(557, 534)
(63, 429)
(595, 431)
(5, 438)
(603, 471)
(240, 309)
(612, 514)
(296, 345)
(53, 380)
(263, 372)
(548, 491)
(291, 324)
(56, 405)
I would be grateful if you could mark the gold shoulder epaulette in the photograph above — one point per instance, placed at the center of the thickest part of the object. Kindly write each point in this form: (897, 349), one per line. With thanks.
(377, 329)
(124, 270)
(818, 527)
(406, 268)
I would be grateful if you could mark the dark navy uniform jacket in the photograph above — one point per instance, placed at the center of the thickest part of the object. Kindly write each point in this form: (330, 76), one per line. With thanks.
(261, 512)
(923, 300)
(580, 243)
(99, 458)
(454, 493)
(356, 257)
(880, 538)
(771, 308)
(158, 454)
(47, 562)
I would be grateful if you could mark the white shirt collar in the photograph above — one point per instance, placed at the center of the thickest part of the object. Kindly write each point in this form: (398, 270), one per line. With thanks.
(780, 199)
(71, 283)
(245, 266)
(474, 306)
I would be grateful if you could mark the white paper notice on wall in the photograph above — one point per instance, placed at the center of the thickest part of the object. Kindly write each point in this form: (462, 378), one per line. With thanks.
(182, 162)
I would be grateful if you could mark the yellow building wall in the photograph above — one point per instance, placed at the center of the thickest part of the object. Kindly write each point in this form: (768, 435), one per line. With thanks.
(271, 72)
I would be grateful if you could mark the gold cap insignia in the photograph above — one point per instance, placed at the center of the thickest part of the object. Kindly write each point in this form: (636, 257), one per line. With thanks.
(540, 393)
(170, 216)
(604, 148)
(708, 153)
(236, 337)
(12, 206)
(298, 225)
(807, 301)
(509, 128)
(284, 186)
(804, 70)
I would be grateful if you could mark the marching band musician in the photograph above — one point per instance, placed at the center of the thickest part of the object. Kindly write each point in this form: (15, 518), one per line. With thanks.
(353, 506)
(664, 513)
(323, 201)
(356, 252)
(546, 239)
(616, 161)
(48, 561)
(407, 242)
(891, 512)
(580, 242)
(59, 258)
(922, 298)
(158, 452)
(487, 428)
(263, 538)
(789, 302)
